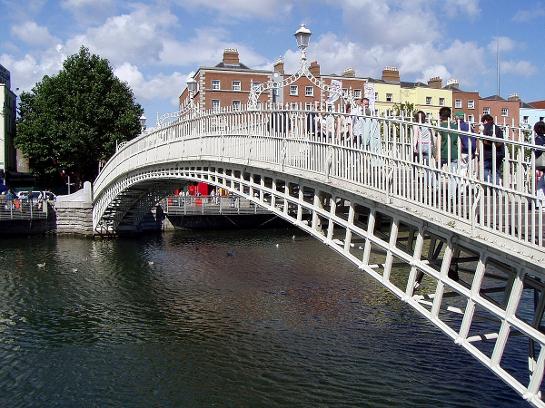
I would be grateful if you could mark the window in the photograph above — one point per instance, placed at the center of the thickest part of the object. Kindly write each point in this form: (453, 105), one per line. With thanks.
(470, 118)
(458, 104)
(486, 110)
(294, 105)
(357, 93)
(471, 104)
(376, 96)
(308, 106)
(441, 101)
(309, 91)
(428, 100)
(504, 112)
(236, 86)
(255, 84)
(525, 119)
(215, 104)
(389, 97)
(236, 105)
(216, 85)
(294, 91)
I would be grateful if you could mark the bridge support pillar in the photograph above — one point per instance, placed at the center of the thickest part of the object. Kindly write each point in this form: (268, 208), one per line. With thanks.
(74, 212)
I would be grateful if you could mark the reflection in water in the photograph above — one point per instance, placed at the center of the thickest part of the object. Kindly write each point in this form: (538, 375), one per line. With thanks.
(217, 319)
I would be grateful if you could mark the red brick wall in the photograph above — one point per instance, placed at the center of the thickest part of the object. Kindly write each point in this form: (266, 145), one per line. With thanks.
(226, 95)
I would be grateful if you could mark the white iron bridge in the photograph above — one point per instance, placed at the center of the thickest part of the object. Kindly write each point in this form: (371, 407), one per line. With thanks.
(463, 250)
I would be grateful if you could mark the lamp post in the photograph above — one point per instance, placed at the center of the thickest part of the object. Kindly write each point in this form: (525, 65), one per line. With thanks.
(302, 37)
(192, 89)
(142, 123)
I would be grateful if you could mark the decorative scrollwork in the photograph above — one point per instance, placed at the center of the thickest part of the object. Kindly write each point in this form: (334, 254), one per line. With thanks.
(173, 117)
(256, 91)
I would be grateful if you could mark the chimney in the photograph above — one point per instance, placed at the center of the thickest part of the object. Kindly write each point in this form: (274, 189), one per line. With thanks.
(514, 97)
(230, 56)
(435, 83)
(314, 68)
(279, 66)
(453, 83)
(391, 74)
(349, 73)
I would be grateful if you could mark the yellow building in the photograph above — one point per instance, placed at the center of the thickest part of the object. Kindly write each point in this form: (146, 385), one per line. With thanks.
(390, 90)
(428, 98)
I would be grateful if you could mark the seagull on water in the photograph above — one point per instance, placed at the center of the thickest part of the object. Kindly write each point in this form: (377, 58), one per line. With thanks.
(40, 265)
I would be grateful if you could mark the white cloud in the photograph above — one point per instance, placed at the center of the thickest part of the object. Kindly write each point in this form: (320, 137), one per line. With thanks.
(159, 87)
(455, 7)
(505, 44)
(89, 12)
(522, 68)
(33, 34)
(391, 22)
(242, 8)
(206, 48)
(127, 37)
(28, 70)
(536, 12)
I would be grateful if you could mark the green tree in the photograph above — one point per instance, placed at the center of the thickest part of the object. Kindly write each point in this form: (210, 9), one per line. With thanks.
(72, 121)
(405, 108)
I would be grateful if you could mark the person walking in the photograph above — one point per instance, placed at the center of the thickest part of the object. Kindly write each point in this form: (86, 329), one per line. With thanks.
(493, 152)
(539, 140)
(447, 148)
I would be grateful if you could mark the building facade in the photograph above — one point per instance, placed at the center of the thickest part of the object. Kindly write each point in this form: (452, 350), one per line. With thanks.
(466, 102)
(504, 111)
(529, 115)
(8, 101)
(228, 84)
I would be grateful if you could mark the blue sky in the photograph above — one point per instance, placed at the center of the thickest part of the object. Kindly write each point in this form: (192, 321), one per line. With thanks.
(155, 45)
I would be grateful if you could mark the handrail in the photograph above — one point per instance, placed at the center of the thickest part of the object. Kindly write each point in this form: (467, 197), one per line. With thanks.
(254, 135)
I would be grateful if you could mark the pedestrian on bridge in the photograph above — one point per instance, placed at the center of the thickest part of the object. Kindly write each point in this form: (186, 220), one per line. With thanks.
(447, 148)
(539, 140)
(493, 152)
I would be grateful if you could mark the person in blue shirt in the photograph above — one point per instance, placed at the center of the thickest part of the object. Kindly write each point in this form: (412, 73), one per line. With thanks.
(491, 129)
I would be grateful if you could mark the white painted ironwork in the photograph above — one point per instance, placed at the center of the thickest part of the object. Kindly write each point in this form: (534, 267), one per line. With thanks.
(464, 251)
(210, 205)
(303, 37)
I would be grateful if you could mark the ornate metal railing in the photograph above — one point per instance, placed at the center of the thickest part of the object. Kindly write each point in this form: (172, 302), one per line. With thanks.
(372, 152)
(210, 205)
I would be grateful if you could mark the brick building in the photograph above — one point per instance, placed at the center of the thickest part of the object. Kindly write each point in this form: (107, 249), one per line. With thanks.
(504, 111)
(226, 84)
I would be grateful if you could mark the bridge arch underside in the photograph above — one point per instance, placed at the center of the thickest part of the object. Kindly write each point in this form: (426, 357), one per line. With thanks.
(490, 302)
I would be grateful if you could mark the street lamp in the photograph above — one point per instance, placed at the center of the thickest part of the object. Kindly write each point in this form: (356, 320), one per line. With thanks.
(302, 37)
(142, 123)
(192, 88)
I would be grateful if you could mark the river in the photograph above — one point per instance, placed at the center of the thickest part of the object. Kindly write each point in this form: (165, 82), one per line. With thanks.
(218, 319)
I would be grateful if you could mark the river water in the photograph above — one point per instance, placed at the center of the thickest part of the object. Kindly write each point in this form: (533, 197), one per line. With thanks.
(217, 319)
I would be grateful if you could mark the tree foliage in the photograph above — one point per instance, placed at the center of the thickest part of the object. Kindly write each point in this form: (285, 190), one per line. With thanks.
(72, 121)
(406, 109)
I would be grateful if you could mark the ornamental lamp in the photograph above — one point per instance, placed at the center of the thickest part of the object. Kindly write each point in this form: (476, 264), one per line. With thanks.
(142, 122)
(302, 36)
(191, 85)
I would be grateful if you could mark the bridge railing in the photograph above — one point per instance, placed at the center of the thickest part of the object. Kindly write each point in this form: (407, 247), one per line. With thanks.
(491, 184)
(210, 205)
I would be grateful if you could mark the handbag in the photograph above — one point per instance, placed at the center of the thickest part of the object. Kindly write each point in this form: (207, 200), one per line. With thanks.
(540, 162)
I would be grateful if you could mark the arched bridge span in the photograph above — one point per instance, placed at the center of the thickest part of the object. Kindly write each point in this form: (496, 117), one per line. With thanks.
(464, 252)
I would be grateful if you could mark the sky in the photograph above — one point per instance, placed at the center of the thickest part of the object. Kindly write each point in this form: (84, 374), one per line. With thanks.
(155, 45)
